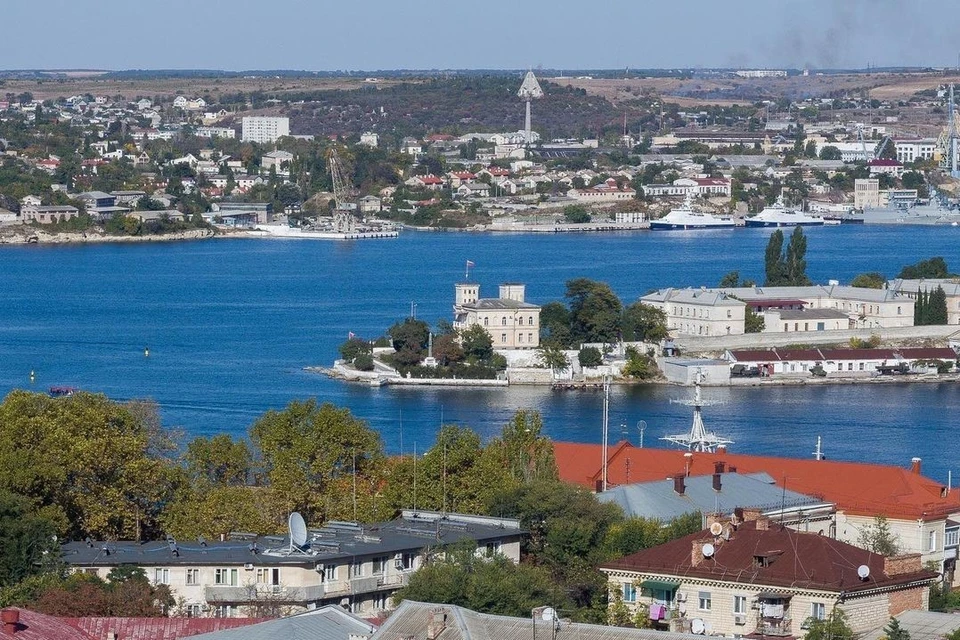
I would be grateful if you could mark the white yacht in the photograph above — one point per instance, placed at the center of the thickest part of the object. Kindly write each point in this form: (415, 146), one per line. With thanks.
(779, 215)
(685, 217)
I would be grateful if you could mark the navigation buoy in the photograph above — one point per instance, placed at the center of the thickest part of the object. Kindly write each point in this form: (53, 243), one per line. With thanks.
(33, 376)
(146, 352)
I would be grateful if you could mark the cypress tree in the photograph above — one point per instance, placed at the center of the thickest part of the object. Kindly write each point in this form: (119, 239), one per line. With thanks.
(773, 260)
(937, 307)
(796, 264)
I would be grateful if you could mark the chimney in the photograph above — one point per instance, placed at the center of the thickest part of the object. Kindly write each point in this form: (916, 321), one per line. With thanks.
(719, 466)
(714, 517)
(678, 484)
(11, 621)
(696, 553)
(763, 523)
(598, 487)
(716, 482)
(750, 514)
(687, 462)
(733, 469)
(915, 465)
(898, 565)
(436, 623)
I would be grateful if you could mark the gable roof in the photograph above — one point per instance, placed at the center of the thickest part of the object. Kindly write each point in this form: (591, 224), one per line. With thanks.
(326, 623)
(855, 487)
(794, 560)
(39, 626)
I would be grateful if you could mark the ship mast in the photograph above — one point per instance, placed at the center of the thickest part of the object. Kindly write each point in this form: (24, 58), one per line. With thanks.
(698, 439)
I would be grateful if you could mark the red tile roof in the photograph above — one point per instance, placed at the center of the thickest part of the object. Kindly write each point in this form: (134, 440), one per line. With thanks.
(929, 353)
(855, 487)
(39, 626)
(795, 560)
(884, 162)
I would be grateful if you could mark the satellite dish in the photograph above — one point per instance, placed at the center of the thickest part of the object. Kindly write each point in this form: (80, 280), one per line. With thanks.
(548, 614)
(298, 529)
(863, 571)
(716, 528)
(697, 626)
(708, 550)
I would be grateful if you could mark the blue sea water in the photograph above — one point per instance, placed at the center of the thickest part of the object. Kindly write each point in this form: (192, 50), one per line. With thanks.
(230, 324)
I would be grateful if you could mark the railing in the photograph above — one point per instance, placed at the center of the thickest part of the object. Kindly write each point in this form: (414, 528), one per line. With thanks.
(254, 593)
(774, 627)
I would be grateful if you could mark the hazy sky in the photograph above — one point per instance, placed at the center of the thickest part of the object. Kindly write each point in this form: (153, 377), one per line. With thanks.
(428, 34)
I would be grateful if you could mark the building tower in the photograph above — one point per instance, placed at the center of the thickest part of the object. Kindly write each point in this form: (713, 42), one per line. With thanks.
(529, 90)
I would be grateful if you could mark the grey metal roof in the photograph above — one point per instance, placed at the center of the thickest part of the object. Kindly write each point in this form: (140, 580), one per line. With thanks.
(411, 618)
(707, 297)
(336, 542)
(810, 314)
(657, 499)
(326, 623)
(498, 303)
(922, 625)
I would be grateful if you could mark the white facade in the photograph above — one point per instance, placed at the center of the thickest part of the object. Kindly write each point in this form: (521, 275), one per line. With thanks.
(866, 192)
(216, 132)
(915, 149)
(264, 129)
(699, 312)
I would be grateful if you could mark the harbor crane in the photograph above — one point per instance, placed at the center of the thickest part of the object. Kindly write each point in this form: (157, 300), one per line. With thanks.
(947, 141)
(343, 219)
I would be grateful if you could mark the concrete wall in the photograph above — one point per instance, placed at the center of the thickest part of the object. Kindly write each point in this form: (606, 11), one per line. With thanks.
(698, 344)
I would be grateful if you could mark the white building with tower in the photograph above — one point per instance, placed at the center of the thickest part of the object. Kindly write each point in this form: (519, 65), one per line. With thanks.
(511, 321)
(264, 129)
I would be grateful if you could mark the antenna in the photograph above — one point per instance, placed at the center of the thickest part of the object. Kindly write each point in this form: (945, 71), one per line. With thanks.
(606, 427)
(708, 550)
(863, 571)
(298, 531)
(698, 439)
(716, 528)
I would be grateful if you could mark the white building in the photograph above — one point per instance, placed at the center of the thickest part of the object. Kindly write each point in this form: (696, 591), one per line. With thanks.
(915, 149)
(699, 312)
(279, 160)
(216, 132)
(866, 193)
(369, 139)
(264, 129)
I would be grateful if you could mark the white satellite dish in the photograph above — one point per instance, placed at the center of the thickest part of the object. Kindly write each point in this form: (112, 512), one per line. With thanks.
(716, 528)
(298, 530)
(863, 571)
(548, 614)
(708, 550)
(697, 626)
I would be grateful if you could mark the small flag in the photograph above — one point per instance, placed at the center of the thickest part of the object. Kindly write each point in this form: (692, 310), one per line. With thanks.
(470, 263)
(351, 335)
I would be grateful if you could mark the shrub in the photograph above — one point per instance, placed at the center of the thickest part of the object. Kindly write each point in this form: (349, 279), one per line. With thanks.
(363, 362)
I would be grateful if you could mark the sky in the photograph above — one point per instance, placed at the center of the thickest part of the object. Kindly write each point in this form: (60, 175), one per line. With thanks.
(318, 35)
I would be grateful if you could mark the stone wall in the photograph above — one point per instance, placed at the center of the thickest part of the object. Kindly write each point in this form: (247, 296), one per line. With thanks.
(718, 344)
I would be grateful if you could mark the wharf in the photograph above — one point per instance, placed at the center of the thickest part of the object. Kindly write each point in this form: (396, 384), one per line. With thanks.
(586, 227)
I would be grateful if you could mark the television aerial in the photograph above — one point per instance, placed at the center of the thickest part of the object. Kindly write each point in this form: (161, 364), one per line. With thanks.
(298, 531)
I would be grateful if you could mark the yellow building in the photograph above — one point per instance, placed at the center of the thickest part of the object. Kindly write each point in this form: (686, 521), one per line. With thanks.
(511, 322)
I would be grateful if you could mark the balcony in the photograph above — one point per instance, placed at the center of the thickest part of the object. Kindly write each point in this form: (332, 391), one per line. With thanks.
(774, 627)
(258, 593)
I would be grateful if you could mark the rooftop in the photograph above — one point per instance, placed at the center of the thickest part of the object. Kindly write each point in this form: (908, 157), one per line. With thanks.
(326, 623)
(921, 625)
(38, 626)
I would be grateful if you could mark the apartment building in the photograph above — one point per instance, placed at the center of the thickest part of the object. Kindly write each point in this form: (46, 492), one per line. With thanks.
(699, 312)
(264, 129)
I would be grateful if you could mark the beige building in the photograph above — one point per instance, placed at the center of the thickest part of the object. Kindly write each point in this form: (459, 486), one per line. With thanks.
(866, 193)
(699, 312)
(511, 322)
(747, 575)
(950, 286)
(358, 567)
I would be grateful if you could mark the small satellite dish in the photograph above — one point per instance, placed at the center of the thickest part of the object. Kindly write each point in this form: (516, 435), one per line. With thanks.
(863, 571)
(548, 614)
(697, 626)
(716, 528)
(708, 550)
(298, 530)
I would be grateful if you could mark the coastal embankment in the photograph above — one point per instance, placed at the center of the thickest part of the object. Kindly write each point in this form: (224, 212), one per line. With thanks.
(888, 335)
(30, 235)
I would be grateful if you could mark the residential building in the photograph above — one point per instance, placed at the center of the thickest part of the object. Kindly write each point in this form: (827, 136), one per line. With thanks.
(699, 312)
(923, 514)
(866, 193)
(358, 567)
(411, 146)
(264, 129)
(608, 191)
(326, 623)
(370, 139)
(747, 575)
(950, 286)
(216, 132)
(279, 161)
(44, 215)
(511, 322)
(802, 320)
(887, 166)
(681, 495)
(369, 204)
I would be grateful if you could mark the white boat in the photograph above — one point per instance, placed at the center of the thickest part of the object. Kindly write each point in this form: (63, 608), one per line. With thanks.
(282, 230)
(779, 215)
(685, 217)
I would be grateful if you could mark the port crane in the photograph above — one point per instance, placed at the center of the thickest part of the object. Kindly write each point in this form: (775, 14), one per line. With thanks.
(343, 219)
(947, 141)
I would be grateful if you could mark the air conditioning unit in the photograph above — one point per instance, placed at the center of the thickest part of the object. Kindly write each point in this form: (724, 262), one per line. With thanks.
(681, 597)
(248, 566)
(740, 619)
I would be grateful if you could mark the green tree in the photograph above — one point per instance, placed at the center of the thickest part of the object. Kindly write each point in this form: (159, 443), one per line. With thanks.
(555, 325)
(523, 450)
(576, 213)
(833, 627)
(590, 357)
(644, 322)
(870, 280)
(773, 260)
(936, 309)
(730, 280)
(311, 454)
(219, 460)
(913, 180)
(796, 264)
(410, 334)
(595, 311)
(929, 269)
(489, 585)
(878, 538)
(477, 343)
(214, 511)
(830, 152)
(893, 630)
(447, 350)
(753, 322)
(364, 362)
(640, 365)
(27, 539)
(553, 358)
(353, 347)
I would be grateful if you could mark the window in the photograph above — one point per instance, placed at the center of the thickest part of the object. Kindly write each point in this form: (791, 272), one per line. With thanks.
(729, 315)
(193, 576)
(818, 611)
(740, 605)
(225, 577)
(225, 611)
(704, 602)
(486, 321)
(329, 573)
(503, 337)
(529, 337)
(861, 366)
(531, 321)
(356, 569)
(519, 337)
(407, 560)
(629, 592)
(194, 610)
(268, 576)
(932, 541)
(380, 601)
(521, 320)
(951, 538)
(503, 321)
(493, 548)
(379, 565)
(161, 576)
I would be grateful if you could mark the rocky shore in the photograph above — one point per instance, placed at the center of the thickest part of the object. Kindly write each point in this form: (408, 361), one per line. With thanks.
(30, 235)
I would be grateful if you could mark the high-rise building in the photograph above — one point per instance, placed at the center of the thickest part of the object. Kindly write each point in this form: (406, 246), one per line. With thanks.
(264, 129)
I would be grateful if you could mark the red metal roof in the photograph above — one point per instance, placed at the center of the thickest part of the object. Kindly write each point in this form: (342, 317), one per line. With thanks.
(855, 487)
(39, 626)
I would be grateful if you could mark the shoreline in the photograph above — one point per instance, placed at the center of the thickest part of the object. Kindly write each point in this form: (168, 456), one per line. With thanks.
(41, 237)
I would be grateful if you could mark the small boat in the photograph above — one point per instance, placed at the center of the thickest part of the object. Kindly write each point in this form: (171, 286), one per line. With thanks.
(686, 218)
(779, 215)
(62, 392)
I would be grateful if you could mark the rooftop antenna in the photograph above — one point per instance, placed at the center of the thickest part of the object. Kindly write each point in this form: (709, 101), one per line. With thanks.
(818, 454)
(642, 426)
(698, 439)
(606, 428)
(298, 532)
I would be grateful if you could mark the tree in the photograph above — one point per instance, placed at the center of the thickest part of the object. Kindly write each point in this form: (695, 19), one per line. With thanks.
(213, 511)
(489, 585)
(878, 538)
(833, 627)
(594, 311)
(309, 456)
(26, 538)
(935, 310)
(830, 152)
(523, 450)
(644, 322)
(410, 334)
(477, 343)
(640, 365)
(929, 269)
(796, 264)
(753, 322)
(893, 631)
(553, 358)
(773, 260)
(363, 362)
(730, 280)
(126, 593)
(870, 280)
(913, 180)
(219, 460)
(555, 325)
(353, 347)
(447, 350)
(576, 213)
(590, 357)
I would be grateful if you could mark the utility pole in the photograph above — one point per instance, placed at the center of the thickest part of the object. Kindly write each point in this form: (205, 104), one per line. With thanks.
(606, 428)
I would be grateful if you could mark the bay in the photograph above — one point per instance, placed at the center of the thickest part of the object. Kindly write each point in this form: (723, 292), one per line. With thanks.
(230, 324)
